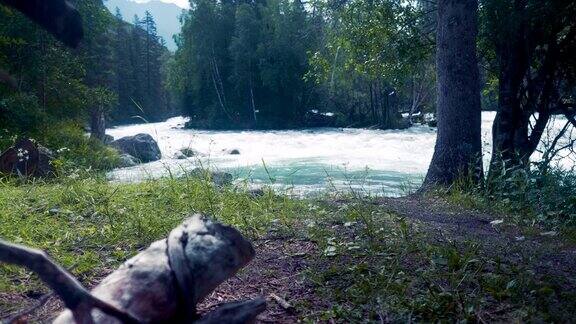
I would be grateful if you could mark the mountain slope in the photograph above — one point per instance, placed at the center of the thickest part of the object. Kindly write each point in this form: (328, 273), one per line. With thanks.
(165, 14)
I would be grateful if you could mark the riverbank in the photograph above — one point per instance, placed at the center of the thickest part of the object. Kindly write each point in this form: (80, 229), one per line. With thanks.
(343, 259)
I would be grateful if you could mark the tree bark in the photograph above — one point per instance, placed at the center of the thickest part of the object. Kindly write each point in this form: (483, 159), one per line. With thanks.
(97, 124)
(523, 91)
(164, 283)
(458, 147)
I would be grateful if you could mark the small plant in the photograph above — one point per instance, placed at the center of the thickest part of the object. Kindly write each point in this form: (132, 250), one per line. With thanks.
(538, 196)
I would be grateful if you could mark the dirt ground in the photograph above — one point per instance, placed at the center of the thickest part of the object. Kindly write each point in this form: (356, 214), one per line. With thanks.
(546, 254)
(280, 262)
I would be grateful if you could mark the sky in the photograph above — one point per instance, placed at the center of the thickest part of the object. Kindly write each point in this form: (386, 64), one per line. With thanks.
(180, 3)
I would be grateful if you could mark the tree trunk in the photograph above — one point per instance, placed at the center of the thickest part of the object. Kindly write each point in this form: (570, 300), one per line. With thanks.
(458, 147)
(525, 88)
(97, 124)
(509, 122)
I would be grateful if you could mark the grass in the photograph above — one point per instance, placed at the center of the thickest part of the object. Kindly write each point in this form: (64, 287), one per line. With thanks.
(371, 265)
(380, 267)
(530, 198)
(91, 226)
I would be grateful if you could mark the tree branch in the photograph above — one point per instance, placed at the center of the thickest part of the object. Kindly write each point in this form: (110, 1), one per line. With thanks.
(70, 290)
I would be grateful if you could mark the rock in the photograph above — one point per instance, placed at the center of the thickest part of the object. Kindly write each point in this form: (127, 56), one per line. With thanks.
(234, 152)
(127, 160)
(432, 123)
(314, 118)
(256, 192)
(108, 139)
(430, 120)
(26, 158)
(188, 152)
(179, 156)
(403, 123)
(141, 146)
(218, 178)
(184, 153)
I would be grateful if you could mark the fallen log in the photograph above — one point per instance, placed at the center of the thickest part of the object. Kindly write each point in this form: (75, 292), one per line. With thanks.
(165, 282)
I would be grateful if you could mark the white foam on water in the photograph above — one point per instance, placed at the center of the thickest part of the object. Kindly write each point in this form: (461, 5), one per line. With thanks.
(383, 162)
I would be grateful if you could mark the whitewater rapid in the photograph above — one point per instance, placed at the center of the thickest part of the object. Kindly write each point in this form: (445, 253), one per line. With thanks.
(378, 162)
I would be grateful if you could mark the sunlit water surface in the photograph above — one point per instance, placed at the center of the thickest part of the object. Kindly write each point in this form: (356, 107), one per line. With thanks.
(302, 162)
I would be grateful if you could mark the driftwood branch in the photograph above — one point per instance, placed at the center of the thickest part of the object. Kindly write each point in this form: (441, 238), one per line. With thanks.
(282, 302)
(79, 300)
(166, 281)
(163, 283)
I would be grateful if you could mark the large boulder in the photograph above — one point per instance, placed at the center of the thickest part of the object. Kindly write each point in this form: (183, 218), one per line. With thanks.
(403, 123)
(26, 158)
(141, 146)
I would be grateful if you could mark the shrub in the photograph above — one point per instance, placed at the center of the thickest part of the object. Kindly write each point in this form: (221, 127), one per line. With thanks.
(75, 150)
(545, 197)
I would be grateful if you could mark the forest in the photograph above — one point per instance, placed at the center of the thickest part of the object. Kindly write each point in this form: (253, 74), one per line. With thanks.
(322, 161)
(115, 74)
(271, 64)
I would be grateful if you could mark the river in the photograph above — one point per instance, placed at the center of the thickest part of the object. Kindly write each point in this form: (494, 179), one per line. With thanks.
(301, 162)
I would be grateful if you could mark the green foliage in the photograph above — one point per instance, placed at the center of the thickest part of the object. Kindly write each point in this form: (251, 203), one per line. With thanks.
(369, 264)
(91, 226)
(376, 266)
(49, 77)
(75, 151)
(242, 65)
(104, 75)
(139, 71)
(376, 60)
(527, 197)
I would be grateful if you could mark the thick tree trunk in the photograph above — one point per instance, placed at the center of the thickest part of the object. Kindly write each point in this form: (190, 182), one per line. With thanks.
(525, 88)
(458, 147)
(509, 130)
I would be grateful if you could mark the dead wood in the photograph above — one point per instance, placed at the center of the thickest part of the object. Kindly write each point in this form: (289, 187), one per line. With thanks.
(243, 312)
(161, 284)
(166, 281)
(76, 298)
(59, 17)
(282, 302)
